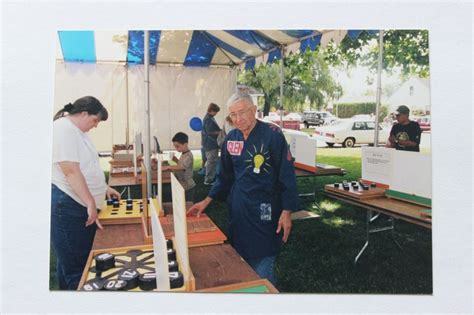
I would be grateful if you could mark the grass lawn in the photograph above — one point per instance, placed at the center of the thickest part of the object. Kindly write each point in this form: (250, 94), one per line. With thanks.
(319, 255)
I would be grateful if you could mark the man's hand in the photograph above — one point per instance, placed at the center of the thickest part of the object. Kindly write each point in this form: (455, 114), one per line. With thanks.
(92, 212)
(110, 192)
(284, 223)
(199, 207)
(391, 142)
(407, 143)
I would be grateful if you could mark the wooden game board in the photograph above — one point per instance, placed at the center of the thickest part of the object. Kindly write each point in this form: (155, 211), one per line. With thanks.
(256, 286)
(139, 258)
(111, 215)
(356, 192)
(201, 231)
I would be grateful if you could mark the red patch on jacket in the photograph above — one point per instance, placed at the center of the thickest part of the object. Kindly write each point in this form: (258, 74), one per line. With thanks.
(235, 147)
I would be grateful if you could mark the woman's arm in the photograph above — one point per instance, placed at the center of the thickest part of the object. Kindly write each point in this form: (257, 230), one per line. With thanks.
(78, 184)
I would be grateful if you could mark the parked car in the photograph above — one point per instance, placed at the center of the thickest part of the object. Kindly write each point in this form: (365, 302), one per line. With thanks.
(314, 118)
(328, 118)
(350, 131)
(424, 122)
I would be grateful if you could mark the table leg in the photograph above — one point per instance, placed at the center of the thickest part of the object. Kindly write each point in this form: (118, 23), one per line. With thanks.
(367, 222)
(393, 233)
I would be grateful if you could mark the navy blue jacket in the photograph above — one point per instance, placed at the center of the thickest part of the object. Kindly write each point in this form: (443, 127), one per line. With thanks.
(258, 176)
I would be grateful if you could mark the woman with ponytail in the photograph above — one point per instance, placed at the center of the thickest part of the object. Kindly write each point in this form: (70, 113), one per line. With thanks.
(78, 187)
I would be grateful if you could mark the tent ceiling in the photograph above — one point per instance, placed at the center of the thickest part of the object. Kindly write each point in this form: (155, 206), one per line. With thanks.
(192, 48)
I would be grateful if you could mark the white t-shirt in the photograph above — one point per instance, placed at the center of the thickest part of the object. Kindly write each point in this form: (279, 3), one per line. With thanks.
(73, 145)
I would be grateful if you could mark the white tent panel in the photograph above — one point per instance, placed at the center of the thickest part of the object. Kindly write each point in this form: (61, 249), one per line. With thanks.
(106, 82)
(111, 45)
(173, 46)
(178, 94)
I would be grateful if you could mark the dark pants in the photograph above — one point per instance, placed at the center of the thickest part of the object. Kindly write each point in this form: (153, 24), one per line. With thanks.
(71, 239)
(264, 267)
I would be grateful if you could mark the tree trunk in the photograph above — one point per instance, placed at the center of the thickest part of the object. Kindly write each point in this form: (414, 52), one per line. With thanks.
(266, 106)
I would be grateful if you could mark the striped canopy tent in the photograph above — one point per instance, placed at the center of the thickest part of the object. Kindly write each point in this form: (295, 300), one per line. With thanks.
(244, 49)
(227, 48)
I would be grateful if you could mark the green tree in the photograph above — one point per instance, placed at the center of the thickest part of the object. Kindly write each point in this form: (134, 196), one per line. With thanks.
(307, 82)
(407, 50)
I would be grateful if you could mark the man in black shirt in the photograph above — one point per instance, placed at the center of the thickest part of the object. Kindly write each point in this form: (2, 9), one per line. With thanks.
(405, 134)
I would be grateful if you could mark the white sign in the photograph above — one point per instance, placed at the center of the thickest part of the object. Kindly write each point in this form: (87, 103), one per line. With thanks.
(180, 224)
(302, 147)
(377, 164)
(412, 173)
(159, 251)
(403, 171)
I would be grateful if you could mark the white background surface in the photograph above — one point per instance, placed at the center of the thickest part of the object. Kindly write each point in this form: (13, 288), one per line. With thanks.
(28, 51)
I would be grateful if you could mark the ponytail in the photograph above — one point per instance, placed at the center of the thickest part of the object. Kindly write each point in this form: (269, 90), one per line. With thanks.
(88, 104)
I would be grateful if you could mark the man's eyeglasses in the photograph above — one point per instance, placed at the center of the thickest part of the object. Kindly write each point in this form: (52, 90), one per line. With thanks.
(239, 114)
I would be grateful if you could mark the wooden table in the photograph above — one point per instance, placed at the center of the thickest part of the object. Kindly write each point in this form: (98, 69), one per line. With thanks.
(321, 170)
(218, 265)
(212, 266)
(394, 208)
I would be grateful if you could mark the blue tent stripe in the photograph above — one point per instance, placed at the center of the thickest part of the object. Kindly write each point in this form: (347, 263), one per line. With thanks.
(253, 38)
(78, 46)
(273, 56)
(136, 41)
(353, 34)
(297, 33)
(234, 51)
(250, 64)
(200, 51)
(311, 42)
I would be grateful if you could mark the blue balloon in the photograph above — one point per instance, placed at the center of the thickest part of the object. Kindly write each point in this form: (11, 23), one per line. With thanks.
(195, 123)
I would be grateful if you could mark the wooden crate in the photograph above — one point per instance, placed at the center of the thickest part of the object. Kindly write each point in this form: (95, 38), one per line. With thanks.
(145, 265)
(256, 286)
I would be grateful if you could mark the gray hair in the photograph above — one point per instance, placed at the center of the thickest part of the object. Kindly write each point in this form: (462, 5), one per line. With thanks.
(239, 96)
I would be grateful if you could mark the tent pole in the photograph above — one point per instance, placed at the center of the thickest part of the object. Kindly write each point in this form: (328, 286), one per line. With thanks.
(282, 74)
(146, 143)
(379, 89)
(127, 129)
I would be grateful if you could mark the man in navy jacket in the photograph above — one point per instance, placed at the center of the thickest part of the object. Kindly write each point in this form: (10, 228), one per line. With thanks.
(258, 176)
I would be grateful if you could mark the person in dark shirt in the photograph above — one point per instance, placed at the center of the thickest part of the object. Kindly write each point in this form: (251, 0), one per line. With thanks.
(257, 176)
(405, 134)
(210, 131)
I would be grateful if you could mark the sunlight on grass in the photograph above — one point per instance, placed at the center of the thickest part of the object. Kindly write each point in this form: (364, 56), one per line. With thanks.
(337, 222)
(338, 151)
(329, 206)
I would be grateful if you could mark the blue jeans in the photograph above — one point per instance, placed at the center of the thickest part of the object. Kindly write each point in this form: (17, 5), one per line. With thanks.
(71, 239)
(264, 267)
